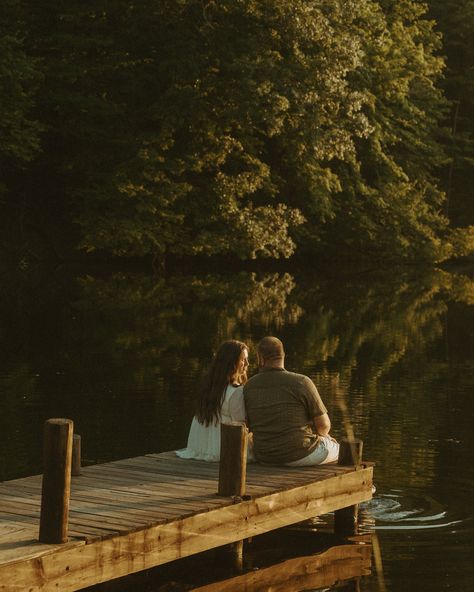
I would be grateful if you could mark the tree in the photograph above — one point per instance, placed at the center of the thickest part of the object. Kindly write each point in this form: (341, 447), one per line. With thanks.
(389, 204)
(252, 128)
(257, 116)
(19, 129)
(455, 20)
(19, 79)
(195, 130)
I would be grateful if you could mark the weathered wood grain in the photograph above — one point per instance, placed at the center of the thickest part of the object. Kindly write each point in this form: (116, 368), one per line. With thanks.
(134, 514)
(233, 459)
(56, 483)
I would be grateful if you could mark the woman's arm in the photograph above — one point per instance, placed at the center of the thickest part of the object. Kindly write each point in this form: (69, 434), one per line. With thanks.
(236, 405)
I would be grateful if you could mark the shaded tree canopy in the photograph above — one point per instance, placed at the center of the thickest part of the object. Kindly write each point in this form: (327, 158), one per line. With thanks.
(250, 128)
(19, 79)
(455, 20)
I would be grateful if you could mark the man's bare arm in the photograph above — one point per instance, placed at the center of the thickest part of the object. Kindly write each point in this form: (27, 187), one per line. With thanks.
(322, 423)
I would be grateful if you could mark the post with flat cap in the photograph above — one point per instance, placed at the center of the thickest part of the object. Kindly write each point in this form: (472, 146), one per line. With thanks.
(232, 476)
(56, 487)
(346, 519)
(233, 459)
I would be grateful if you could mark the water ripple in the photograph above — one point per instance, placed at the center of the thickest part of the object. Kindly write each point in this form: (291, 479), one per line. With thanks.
(404, 511)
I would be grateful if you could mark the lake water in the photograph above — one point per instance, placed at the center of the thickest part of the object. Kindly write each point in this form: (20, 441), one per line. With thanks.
(120, 353)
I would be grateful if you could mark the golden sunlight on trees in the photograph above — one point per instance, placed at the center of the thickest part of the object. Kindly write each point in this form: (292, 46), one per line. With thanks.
(252, 129)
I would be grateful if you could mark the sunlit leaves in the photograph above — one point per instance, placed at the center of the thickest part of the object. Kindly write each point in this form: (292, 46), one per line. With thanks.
(390, 205)
(252, 128)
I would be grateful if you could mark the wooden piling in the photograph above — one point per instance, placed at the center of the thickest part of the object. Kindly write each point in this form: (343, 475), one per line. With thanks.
(233, 459)
(350, 452)
(56, 485)
(76, 455)
(232, 556)
(232, 478)
(346, 519)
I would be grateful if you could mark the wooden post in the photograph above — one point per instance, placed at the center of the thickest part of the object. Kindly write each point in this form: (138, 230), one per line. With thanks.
(345, 520)
(232, 478)
(56, 485)
(233, 459)
(350, 452)
(76, 455)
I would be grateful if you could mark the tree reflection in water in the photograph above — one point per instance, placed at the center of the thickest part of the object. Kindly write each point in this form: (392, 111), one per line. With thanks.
(121, 353)
(391, 355)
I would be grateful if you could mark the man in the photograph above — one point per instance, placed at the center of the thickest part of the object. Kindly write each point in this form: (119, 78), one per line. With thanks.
(286, 415)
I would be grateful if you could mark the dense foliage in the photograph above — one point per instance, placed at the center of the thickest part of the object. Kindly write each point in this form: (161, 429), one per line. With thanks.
(17, 84)
(251, 128)
(456, 22)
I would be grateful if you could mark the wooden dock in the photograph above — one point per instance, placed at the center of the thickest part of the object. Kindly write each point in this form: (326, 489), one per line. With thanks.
(133, 514)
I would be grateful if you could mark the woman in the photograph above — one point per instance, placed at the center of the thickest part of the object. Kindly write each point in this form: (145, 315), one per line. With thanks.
(220, 400)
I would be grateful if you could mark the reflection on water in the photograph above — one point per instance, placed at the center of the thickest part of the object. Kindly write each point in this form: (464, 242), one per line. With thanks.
(343, 564)
(121, 353)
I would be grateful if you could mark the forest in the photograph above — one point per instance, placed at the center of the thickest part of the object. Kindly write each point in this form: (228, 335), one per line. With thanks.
(333, 129)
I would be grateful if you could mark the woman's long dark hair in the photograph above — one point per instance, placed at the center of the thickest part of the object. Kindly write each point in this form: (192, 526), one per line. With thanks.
(225, 368)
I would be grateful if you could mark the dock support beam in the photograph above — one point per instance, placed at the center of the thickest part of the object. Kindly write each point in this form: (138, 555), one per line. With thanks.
(346, 519)
(232, 477)
(56, 486)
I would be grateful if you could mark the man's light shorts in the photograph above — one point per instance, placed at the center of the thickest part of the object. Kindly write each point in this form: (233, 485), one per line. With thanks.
(326, 451)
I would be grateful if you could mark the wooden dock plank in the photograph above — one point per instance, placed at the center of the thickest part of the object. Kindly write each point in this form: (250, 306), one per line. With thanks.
(137, 513)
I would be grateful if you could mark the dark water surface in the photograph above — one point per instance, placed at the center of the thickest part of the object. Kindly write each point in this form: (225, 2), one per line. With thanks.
(120, 354)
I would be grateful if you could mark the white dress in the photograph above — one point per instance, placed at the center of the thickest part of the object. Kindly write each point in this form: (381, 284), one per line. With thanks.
(204, 442)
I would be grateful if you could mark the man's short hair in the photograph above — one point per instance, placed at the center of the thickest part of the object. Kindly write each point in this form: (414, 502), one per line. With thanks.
(271, 348)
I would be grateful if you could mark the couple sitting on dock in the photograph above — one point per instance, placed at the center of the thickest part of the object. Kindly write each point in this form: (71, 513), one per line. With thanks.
(288, 422)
